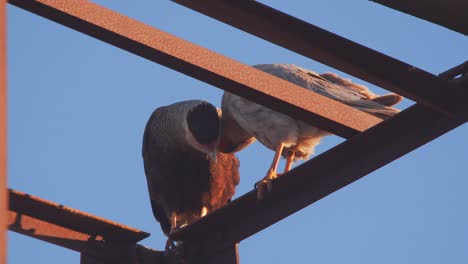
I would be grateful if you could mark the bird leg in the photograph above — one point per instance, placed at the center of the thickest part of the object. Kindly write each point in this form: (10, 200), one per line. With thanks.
(171, 247)
(289, 162)
(204, 211)
(173, 222)
(271, 174)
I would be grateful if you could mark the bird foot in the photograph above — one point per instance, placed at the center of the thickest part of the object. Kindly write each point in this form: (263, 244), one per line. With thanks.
(204, 211)
(267, 182)
(174, 249)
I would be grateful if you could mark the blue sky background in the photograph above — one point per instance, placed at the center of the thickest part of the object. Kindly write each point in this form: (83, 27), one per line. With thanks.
(78, 107)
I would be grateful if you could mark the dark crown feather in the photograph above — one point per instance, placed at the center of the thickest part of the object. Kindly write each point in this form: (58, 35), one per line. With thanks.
(203, 122)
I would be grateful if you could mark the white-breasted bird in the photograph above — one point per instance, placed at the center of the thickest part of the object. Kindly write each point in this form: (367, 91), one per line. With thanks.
(243, 120)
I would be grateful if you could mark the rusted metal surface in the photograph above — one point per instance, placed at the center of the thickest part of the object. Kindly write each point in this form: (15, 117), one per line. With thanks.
(73, 219)
(102, 241)
(81, 242)
(320, 177)
(202, 64)
(448, 13)
(337, 52)
(69, 228)
(48, 232)
(3, 134)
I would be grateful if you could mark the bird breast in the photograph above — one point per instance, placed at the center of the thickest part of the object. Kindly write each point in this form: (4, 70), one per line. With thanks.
(272, 128)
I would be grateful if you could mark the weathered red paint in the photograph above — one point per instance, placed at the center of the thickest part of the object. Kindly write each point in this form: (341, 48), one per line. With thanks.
(203, 64)
(3, 134)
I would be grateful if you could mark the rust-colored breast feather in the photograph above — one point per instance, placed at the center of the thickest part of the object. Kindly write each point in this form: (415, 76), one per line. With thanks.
(223, 181)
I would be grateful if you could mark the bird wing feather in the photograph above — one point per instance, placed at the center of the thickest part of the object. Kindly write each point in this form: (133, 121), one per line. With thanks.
(268, 126)
(338, 89)
(151, 175)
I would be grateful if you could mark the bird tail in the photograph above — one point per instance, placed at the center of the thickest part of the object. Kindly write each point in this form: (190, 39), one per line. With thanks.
(374, 108)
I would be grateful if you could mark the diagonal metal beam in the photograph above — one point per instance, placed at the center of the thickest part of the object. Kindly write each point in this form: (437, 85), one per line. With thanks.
(448, 13)
(77, 241)
(458, 74)
(23, 218)
(320, 177)
(340, 53)
(405, 132)
(48, 232)
(203, 64)
(25, 204)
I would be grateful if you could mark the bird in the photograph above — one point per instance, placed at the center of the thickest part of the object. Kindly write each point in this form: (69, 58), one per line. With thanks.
(244, 121)
(187, 176)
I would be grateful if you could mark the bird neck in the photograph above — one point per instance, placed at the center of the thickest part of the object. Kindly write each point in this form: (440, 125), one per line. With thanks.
(233, 137)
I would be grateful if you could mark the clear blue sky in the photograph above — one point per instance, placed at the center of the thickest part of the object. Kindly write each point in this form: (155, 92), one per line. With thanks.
(78, 107)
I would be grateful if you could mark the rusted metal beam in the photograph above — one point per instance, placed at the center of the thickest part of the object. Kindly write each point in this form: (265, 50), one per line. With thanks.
(48, 232)
(73, 219)
(337, 52)
(3, 133)
(320, 177)
(91, 246)
(23, 219)
(448, 13)
(203, 64)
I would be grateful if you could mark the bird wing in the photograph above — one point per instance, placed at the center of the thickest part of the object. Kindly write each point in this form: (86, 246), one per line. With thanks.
(151, 174)
(268, 126)
(331, 86)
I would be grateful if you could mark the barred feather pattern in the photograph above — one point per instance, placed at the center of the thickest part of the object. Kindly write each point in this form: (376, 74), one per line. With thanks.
(180, 178)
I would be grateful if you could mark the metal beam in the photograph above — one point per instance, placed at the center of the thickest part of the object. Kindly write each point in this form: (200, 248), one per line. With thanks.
(81, 242)
(448, 13)
(3, 133)
(340, 53)
(73, 219)
(319, 177)
(299, 188)
(23, 218)
(48, 232)
(458, 74)
(203, 64)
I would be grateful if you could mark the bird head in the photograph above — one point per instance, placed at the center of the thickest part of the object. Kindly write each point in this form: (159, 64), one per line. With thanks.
(203, 126)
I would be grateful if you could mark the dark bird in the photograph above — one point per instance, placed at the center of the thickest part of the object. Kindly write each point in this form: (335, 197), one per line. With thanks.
(187, 177)
(243, 120)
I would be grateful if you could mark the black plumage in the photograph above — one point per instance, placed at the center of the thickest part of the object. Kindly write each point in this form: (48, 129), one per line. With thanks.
(182, 177)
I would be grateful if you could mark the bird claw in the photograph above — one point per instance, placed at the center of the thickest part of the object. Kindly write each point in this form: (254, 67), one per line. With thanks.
(268, 182)
(174, 249)
(170, 247)
(260, 189)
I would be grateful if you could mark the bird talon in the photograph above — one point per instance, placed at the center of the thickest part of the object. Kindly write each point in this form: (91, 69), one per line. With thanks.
(170, 246)
(259, 183)
(260, 190)
(174, 249)
(269, 183)
(263, 187)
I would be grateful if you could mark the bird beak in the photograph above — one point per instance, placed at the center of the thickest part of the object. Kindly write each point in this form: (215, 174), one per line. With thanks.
(214, 155)
(212, 150)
